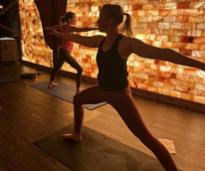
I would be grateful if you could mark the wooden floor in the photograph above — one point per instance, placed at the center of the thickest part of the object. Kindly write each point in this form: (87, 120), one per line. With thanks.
(27, 115)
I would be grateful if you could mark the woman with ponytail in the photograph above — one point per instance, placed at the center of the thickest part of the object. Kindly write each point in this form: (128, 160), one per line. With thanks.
(113, 52)
(67, 25)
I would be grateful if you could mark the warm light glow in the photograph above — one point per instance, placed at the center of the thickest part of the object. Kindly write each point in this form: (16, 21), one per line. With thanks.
(34, 47)
(179, 25)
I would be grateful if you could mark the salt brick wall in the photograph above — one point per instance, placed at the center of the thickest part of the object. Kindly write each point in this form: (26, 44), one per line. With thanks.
(175, 24)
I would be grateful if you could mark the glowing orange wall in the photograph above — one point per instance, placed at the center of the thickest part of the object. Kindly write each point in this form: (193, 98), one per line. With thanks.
(175, 24)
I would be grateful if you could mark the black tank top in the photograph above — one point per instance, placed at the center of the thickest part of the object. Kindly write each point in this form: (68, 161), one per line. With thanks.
(112, 75)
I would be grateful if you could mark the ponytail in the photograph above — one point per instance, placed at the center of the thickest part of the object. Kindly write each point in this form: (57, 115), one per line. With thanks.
(127, 25)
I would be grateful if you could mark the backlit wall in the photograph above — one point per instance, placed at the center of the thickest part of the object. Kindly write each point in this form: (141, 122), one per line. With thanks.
(175, 24)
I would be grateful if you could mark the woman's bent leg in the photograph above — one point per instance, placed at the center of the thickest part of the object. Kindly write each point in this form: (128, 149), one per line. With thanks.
(89, 96)
(125, 106)
(79, 69)
(61, 58)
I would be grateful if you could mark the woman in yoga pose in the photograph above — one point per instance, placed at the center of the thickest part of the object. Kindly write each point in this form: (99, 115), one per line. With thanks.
(67, 25)
(113, 52)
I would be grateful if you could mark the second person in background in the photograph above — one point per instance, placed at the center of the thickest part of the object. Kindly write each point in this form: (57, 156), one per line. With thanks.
(67, 25)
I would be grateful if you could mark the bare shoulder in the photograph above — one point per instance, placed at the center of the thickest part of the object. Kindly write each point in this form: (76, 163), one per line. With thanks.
(125, 46)
(98, 39)
(133, 44)
(128, 41)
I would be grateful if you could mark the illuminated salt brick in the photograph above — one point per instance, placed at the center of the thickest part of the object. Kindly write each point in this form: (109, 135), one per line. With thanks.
(131, 82)
(153, 74)
(147, 7)
(176, 25)
(141, 13)
(192, 12)
(200, 26)
(140, 36)
(175, 39)
(189, 70)
(159, 6)
(142, 76)
(157, 43)
(141, 1)
(128, 8)
(197, 4)
(150, 36)
(164, 12)
(195, 19)
(182, 18)
(164, 68)
(201, 74)
(175, 93)
(183, 5)
(169, 19)
(158, 84)
(179, 45)
(191, 46)
(164, 75)
(94, 8)
(170, 6)
(202, 47)
(182, 88)
(153, 67)
(164, 25)
(164, 90)
(152, 89)
(198, 54)
(163, 38)
(199, 40)
(200, 87)
(175, 82)
(136, 7)
(180, 32)
(167, 44)
(176, 12)
(202, 93)
(186, 96)
(199, 99)
(149, 42)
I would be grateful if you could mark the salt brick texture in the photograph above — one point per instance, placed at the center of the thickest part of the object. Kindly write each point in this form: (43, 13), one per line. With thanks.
(175, 24)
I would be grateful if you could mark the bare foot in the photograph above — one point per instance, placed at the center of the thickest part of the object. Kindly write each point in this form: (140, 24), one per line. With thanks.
(73, 137)
(53, 84)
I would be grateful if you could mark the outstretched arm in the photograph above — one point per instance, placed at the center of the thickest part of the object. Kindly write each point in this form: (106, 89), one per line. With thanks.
(79, 29)
(89, 41)
(140, 48)
(55, 27)
(70, 28)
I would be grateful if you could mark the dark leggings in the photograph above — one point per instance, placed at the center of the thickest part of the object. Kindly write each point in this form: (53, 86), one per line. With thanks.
(64, 56)
(124, 104)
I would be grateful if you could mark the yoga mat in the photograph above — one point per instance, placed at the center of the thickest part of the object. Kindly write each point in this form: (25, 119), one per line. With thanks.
(65, 92)
(96, 152)
(4, 79)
